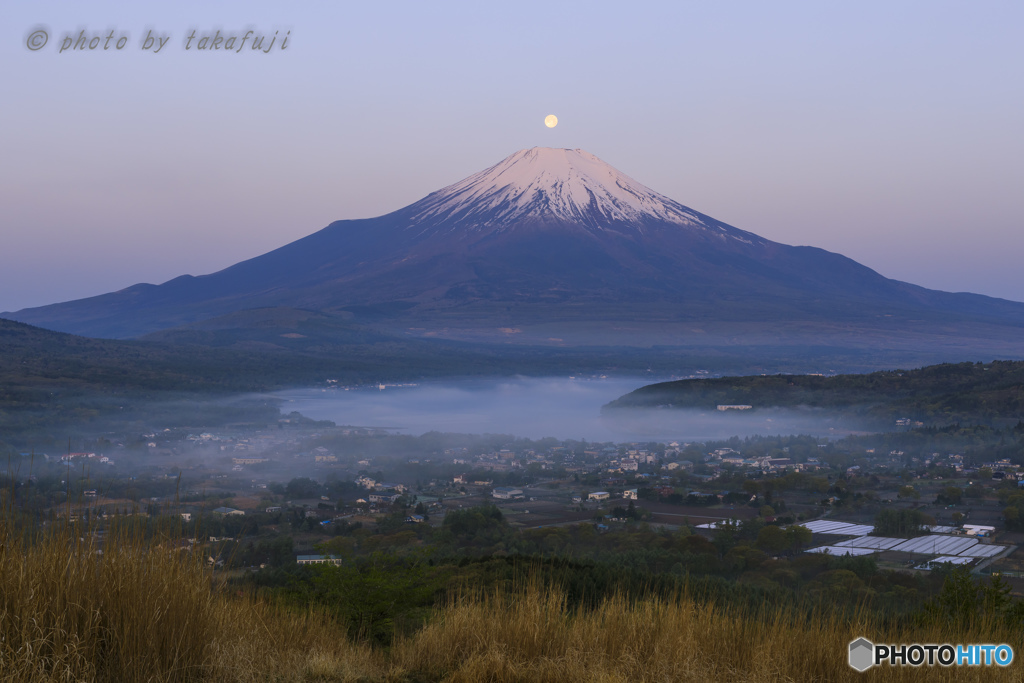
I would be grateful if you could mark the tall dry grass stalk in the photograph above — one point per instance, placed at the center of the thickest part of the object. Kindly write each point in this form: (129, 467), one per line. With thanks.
(143, 610)
(535, 637)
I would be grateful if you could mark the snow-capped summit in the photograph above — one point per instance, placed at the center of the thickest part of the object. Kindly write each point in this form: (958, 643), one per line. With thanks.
(545, 184)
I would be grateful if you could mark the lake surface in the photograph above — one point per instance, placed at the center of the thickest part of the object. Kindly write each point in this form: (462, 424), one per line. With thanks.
(535, 408)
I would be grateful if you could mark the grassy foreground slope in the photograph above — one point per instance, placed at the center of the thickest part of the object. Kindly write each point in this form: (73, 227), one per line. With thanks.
(945, 392)
(145, 610)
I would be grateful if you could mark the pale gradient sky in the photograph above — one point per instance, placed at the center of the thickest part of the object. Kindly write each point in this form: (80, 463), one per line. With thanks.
(889, 132)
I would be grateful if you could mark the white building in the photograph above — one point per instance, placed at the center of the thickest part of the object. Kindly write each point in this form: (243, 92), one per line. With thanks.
(385, 498)
(318, 559)
(507, 493)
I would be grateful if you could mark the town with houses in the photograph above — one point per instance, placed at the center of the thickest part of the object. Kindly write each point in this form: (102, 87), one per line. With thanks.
(308, 480)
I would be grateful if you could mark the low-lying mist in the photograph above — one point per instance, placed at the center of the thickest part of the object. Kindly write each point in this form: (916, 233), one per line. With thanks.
(695, 425)
(535, 408)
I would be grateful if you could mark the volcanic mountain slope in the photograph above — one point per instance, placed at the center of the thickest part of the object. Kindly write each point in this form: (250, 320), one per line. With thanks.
(549, 239)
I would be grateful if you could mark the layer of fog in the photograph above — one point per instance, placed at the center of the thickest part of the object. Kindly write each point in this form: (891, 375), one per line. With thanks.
(550, 407)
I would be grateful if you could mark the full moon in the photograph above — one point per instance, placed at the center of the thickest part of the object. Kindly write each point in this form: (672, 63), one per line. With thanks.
(550, 120)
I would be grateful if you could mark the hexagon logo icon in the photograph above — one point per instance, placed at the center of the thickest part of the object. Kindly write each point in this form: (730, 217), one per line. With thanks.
(862, 654)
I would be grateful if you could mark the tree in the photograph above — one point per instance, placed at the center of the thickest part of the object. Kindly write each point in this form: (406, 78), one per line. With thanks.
(480, 526)
(975, 491)
(949, 496)
(726, 536)
(995, 596)
(750, 528)
(889, 522)
(909, 492)
(958, 600)
(372, 600)
(303, 487)
(799, 536)
(818, 484)
(773, 539)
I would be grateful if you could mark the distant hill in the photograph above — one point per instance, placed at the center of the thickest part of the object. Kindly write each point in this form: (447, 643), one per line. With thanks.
(938, 394)
(246, 351)
(556, 247)
(34, 357)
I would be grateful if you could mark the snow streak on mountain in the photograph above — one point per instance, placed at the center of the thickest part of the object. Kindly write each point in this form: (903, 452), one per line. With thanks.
(549, 185)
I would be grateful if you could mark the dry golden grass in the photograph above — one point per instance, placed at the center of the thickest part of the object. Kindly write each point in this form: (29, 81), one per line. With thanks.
(143, 612)
(140, 611)
(264, 643)
(534, 637)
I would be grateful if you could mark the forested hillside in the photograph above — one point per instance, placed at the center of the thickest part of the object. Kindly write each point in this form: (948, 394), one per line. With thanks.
(934, 394)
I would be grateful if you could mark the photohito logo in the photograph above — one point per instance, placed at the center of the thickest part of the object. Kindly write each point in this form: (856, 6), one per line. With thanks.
(864, 654)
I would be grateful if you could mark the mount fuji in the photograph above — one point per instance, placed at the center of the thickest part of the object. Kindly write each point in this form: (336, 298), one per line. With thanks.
(556, 246)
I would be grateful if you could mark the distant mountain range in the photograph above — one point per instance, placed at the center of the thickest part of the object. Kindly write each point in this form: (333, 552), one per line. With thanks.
(554, 246)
